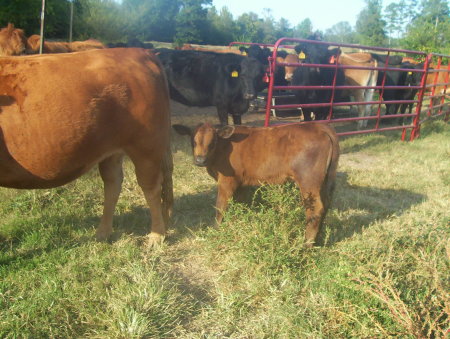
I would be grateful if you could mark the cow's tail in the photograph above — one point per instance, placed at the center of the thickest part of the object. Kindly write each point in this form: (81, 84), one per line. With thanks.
(331, 171)
(167, 185)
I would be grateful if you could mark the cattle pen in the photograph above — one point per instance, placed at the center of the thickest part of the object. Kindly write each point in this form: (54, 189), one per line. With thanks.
(430, 95)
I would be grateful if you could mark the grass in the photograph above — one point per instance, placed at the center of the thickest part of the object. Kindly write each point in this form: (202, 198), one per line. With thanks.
(383, 271)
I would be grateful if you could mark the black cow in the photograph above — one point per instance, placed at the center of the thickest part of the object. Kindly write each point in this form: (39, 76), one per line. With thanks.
(315, 76)
(259, 53)
(399, 78)
(393, 59)
(227, 81)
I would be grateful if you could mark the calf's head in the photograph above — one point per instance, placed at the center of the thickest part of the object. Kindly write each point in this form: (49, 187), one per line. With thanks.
(204, 140)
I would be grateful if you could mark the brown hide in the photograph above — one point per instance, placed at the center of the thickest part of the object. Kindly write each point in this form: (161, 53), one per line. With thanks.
(441, 80)
(62, 114)
(289, 70)
(33, 44)
(216, 50)
(34, 41)
(85, 45)
(241, 156)
(12, 41)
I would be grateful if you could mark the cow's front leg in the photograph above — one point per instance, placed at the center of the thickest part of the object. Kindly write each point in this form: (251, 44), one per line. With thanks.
(223, 116)
(225, 190)
(237, 119)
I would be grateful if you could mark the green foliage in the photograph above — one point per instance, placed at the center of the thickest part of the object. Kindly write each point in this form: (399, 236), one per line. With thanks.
(340, 32)
(370, 26)
(191, 21)
(407, 24)
(429, 31)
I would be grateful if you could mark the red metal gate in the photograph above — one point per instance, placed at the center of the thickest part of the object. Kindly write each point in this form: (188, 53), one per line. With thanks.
(432, 96)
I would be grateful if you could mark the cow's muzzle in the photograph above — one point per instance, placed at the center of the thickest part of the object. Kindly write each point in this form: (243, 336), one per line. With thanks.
(249, 96)
(200, 161)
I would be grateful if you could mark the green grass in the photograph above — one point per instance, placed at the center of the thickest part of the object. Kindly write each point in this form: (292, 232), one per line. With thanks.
(383, 271)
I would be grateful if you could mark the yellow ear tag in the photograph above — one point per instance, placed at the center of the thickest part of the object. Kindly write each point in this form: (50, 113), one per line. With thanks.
(244, 53)
(409, 73)
(234, 74)
(302, 56)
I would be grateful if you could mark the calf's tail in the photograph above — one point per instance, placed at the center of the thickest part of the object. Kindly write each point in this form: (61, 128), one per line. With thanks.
(332, 164)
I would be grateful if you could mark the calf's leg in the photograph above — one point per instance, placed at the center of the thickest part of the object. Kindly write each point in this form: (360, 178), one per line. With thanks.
(310, 181)
(112, 175)
(225, 190)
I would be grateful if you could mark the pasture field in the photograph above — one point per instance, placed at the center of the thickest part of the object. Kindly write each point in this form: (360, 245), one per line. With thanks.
(384, 271)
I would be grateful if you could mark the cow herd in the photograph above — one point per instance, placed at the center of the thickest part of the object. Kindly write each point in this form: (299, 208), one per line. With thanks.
(62, 114)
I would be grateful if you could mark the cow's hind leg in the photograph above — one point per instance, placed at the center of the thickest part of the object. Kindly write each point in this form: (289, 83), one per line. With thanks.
(149, 174)
(112, 175)
(310, 184)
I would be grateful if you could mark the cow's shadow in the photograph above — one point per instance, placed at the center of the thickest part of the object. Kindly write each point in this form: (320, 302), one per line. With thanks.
(358, 207)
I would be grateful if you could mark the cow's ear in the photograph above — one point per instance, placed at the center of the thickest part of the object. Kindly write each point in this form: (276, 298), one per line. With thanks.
(182, 130)
(225, 132)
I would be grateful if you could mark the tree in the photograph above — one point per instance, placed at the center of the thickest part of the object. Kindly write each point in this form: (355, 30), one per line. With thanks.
(26, 14)
(151, 19)
(249, 28)
(191, 23)
(429, 31)
(370, 27)
(340, 32)
(304, 29)
(283, 29)
(223, 27)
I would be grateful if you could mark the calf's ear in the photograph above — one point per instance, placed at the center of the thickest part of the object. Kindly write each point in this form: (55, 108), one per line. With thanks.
(182, 130)
(225, 132)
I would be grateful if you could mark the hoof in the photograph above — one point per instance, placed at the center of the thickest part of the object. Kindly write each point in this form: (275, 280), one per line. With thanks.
(154, 240)
(102, 236)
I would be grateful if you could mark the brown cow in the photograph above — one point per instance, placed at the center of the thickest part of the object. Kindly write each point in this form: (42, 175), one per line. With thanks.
(62, 114)
(189, 47)
(289, 70)
(34, 42)
(12, 41)
(243, 156)
(85, 45)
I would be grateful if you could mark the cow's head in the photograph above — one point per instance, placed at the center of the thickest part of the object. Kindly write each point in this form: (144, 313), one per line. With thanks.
(12, 41)
(315, 53)
(289, 70)
(249, 72)
(204, 140)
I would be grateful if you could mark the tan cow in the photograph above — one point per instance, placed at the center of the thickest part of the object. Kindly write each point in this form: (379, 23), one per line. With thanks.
(355, 77)
(12, 41)
(62, 114)
(242, 156)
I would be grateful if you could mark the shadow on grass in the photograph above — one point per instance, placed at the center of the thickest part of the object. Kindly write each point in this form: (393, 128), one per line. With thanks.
(361, 206)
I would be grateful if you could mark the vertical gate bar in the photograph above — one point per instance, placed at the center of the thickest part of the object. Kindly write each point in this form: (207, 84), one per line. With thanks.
(415, 132)
(272, 67)
(381, 93)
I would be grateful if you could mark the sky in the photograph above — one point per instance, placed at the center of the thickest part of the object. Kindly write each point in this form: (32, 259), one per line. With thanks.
(322, 13)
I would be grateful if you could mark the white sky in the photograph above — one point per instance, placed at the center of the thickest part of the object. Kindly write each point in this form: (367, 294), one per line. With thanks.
(322, 13)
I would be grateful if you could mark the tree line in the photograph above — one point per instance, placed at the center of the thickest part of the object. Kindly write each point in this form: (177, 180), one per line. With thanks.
(409, 24)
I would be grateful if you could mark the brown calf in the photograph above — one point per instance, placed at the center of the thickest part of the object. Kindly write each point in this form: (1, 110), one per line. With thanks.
(247, 156)
(62, 114)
